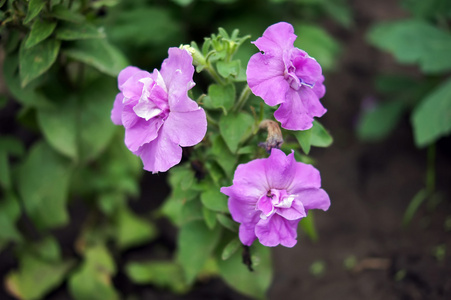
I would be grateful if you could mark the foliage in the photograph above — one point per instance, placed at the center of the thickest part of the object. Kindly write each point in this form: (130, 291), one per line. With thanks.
(61, 60)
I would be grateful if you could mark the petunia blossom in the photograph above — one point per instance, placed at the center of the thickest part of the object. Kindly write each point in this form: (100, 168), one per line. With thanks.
(157, 113)
(270, 196)
(286, 75)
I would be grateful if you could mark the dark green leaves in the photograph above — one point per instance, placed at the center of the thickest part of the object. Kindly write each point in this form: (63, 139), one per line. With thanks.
(97, 53)
(34, 8)
(221, 96)
(69, 31)
(234, 128)
(415, 41)
(43, 186)
(36, 60)
(431, 119)
(40, 30)
(195, 242)
(379, 122)
(316, 136)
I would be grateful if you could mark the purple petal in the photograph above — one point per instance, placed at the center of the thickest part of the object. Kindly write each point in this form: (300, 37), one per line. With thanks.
(129, 117)
(295, 212)
(265, 205)
(132, 88)
(177, 71)
(314, 199)
(186, 128)
(142, 132)
(265, 76)
(308, 69)
(319, 89)
(243, 211)
(116, 112)
(297, 112)
(305, 177)
(276, 37)
(125, 74)
(160, 154)
(247, 234)
(277, 230)
(280, 169)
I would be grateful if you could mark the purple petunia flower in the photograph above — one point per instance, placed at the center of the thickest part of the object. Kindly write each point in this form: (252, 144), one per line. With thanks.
(288, 76)
(270, 196)
(157, 113)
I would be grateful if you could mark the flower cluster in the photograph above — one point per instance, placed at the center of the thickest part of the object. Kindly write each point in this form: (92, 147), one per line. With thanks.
(286, 75)
(270, 196)
(157, 113)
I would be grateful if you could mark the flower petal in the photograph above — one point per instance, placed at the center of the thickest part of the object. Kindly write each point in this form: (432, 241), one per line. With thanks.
(305, 177)
(132, 88)
(186, 128)
(249, 181)
(276, 38)
(160, 154)
(116, 112)
(125, 74)
(243, 211)
(277, 230)
(280, 169)
(265, 77)
(295, 212)
(142, 133)
(177, 71)
(314, 199)
(247, 234)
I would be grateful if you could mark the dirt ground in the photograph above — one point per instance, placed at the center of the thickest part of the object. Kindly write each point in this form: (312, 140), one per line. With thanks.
(370, 186)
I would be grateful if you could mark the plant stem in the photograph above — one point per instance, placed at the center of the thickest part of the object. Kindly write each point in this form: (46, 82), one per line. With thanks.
(245, 93)
(213, 73)
(211, 120)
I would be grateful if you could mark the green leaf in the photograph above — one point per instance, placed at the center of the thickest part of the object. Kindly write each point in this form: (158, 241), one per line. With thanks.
(40, 30)
(209, 217)
(97, 53)
(222, 96)
(222, 155)
(213, 199)
(308, 226)
(236, 274)
(36, 277)
(431, 119)
(235, 128)
(69, 31)
(414, 41)
(196, 242)
(93, 279)
(27, 95)
(61, 12)
(227, 222)
(43, 186)
(37, 60)
(34, 8)
(318, 44)
(378, 123)
(316, 136)
(230, 248)
(163, 274)
(132, 230)
(230, 68)
(80, 127)
(9, 213)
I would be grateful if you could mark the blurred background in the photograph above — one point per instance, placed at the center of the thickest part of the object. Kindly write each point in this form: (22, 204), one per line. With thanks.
(388, 172)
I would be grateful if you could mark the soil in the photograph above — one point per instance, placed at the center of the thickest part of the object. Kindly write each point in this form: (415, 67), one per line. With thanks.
(363, 252)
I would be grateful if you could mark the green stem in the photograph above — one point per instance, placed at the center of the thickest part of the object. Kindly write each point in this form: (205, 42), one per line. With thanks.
(210, 120)
(214, 74)
(430, 172)
(245, 93)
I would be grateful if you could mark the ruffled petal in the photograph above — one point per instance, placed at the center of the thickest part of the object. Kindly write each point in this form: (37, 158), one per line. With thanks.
(305, 177)
(132, 88)
(265, 77)
(116, 112)
(319, 89)
(243, 212)
(177, 71)
(125, 74)
(314, 199)
(280, 169)
(160, 154)
(277, 230)
(276, 38)
(297, 112)
(186, 128)
(295, 212)
(142, 132)
(247, 234)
